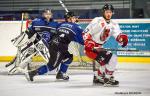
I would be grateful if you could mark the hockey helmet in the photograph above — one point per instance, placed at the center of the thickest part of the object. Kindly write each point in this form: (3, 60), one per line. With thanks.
(70, 14)
(108, 7)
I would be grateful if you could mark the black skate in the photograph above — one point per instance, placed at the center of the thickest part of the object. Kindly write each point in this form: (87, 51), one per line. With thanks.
(98, 81)
(110, 82)
(30, 75)
(62, 76)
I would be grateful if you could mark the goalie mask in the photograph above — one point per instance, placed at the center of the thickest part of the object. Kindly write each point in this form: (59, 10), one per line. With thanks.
(47, 14)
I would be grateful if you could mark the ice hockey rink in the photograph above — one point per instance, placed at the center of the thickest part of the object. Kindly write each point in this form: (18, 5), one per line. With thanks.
(134, 81)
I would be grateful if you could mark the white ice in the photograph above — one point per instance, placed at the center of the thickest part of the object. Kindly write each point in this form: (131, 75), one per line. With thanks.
(134, 81)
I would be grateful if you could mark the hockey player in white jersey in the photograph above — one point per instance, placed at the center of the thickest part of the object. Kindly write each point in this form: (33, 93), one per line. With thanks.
(96, 34)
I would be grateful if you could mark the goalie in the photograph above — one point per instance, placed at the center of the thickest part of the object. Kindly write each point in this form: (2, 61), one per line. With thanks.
(96, 34)
(41, 29)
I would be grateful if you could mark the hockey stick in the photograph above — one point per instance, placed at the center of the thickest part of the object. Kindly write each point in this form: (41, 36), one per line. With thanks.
(22, 18)
(63, 5)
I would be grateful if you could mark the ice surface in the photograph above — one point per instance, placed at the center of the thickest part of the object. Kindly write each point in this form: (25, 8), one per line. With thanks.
(134, 81)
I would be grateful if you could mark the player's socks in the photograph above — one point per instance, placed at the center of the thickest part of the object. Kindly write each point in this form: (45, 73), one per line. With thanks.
(40, 71)
(62, 72)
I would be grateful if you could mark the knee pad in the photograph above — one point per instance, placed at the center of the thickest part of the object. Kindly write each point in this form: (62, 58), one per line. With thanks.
(20, 40)
(104, 56)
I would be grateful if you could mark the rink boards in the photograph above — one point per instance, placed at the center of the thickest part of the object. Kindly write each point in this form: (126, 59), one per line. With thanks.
(138, 31)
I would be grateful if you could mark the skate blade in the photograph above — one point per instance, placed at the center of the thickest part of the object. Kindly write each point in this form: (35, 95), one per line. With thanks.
(109, 85)
(98, 84)
(61, 80)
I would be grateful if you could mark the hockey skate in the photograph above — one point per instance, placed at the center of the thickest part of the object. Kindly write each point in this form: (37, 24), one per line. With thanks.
(110, 82)
(98, 81)
(30, 74)
(62, 76)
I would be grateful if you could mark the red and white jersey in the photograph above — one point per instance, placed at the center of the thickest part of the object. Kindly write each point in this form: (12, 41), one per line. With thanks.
(97, 28)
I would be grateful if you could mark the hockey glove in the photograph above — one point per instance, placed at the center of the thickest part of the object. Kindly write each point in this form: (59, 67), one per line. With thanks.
(123, 39)
(89, 45)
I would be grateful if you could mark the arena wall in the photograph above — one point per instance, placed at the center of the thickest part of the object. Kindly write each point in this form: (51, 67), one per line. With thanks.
(138, 31)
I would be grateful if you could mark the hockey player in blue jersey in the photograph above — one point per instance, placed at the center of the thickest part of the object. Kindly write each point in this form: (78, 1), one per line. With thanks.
(58, 48)
(45, 26)
(70, 18)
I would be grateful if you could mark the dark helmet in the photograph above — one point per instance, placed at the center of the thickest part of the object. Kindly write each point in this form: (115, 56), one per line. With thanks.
(69, 14)
(108, 7)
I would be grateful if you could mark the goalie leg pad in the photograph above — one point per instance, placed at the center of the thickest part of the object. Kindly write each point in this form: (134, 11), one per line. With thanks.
(43, 50)
(20, 40)
(27, 53)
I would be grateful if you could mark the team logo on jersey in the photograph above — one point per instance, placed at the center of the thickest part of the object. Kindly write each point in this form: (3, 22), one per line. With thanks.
(105, 34)
(102, 24)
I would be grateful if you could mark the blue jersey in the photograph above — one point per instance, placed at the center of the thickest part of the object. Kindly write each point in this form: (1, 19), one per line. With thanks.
(43, 28)
(70, 32)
